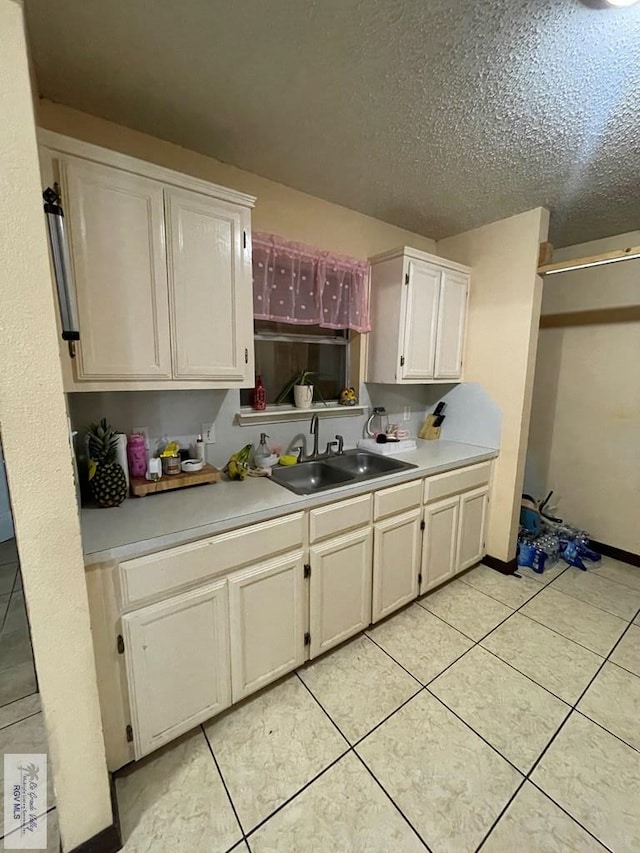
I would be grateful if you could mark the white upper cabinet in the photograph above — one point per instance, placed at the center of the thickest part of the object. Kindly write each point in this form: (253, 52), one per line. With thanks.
(211, 317)
(162, 268)
(418, 318)
(422, 295)
(452, 314)
(116, 233)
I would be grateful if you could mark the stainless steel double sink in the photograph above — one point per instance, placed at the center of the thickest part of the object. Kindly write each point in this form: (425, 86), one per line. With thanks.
(345, 469)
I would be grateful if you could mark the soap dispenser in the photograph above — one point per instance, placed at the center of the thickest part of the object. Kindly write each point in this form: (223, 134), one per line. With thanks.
(262, 453)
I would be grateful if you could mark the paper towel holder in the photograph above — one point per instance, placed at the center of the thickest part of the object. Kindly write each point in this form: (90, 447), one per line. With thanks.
(62, 268)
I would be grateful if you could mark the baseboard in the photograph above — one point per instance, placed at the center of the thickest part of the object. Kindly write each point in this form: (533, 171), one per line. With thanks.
(106, 841)
(507, 567)
(616, 553)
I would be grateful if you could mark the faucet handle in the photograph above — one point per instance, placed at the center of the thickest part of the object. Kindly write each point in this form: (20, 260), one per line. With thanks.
(330, 446)
(340, 441)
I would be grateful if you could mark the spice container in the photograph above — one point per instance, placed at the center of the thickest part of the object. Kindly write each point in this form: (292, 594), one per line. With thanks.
(171, 465)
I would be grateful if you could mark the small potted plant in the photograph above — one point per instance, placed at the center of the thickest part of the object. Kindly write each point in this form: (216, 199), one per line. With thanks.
(303, 389)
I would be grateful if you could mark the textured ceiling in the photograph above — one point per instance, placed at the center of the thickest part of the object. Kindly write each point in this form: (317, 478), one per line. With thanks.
(435, 115)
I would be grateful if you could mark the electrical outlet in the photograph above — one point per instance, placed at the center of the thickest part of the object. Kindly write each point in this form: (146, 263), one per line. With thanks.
(209, 433)
(407, 413)
(142, 431)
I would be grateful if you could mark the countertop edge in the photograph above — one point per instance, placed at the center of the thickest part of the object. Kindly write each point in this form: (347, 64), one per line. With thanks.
(299, 504)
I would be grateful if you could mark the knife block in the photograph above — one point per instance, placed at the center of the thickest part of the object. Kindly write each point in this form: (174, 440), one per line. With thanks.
(428, 431)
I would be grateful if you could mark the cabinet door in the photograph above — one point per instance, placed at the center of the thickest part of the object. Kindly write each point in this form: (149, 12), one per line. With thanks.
(452, 313)
(117, 243)
(439, 542)
(396, 562)
(209, 286)
(473, 518)
(420, 321)
(177, 658)
(266, 604)
(340, 589)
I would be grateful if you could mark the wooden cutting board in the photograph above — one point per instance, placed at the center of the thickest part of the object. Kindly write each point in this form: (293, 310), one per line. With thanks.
(140, 486)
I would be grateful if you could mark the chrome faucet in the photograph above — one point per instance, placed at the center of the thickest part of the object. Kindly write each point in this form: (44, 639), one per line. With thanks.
(314, 430)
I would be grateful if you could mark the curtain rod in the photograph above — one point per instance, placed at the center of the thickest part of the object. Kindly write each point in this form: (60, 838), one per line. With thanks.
(630, 254)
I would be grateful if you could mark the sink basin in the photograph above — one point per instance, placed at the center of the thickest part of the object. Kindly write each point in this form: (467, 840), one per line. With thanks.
(360, 462)
(353, 466)
(308, 477)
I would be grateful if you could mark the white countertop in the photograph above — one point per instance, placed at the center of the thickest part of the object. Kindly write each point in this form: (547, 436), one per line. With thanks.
(143, 525)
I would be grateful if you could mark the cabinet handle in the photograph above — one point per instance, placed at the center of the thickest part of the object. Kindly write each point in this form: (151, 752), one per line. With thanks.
(246, 355)
(244, 239)
(401, 361)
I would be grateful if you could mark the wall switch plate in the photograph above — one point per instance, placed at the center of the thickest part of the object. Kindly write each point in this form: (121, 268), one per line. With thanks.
(209, 433)
(142, 431)
(407, 413)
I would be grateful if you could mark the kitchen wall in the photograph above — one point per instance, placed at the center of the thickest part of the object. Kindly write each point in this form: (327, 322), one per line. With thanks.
(182, 413)
(584, 441)
(279, 210)
(38, 460)
(502, 333)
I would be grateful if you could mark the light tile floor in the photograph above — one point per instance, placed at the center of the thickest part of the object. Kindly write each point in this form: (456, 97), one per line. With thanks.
(496, 714)
(17, 672)
(22, 730)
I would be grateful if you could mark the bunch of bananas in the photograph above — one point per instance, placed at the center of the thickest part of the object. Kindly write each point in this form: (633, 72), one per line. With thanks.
(238, 466)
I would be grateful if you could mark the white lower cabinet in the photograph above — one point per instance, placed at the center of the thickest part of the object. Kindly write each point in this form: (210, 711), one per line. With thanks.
(396, 562)
(473, 516)
(340, 589)
(177, 658)
(193, 654)
(440, 542)
(267, 611)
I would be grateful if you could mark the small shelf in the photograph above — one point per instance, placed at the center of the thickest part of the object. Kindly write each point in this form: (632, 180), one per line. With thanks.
(283, 414)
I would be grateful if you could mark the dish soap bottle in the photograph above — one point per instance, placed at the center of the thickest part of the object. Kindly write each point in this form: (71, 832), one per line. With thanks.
(262, 453)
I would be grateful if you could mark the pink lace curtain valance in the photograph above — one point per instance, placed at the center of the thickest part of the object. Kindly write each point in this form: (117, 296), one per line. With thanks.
(298, 284)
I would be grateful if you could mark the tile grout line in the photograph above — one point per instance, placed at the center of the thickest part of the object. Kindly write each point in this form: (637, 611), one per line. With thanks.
(605, 729)
(424, 687)
(573, 709)
(352, 749)
(11, 593)
(626, 669)
(21, 720)
(589, 603)
(224, 784)
(501, 814)
(621, 583)
(554, 736)
(393, 802)
(7, 834)
(295, 795)
(570, 816)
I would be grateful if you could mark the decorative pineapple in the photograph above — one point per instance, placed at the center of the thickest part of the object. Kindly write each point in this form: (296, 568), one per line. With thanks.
(106, 477)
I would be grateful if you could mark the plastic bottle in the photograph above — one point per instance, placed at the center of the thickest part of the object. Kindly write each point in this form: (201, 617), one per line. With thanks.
(262, 452)
(137, 455)
(259, 396)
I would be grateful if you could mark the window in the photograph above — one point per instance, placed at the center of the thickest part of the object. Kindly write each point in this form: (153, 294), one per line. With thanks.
(282, 350)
